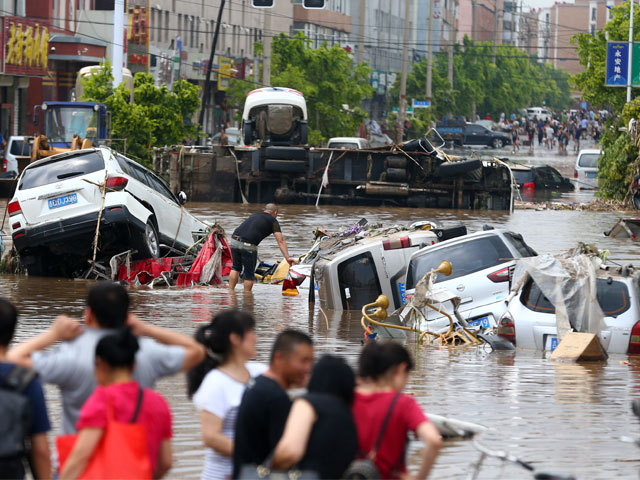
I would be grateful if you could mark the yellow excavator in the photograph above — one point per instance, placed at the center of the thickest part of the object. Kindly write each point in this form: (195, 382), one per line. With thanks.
(42, 149)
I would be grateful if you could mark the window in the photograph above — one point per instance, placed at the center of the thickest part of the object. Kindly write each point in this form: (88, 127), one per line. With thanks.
(523, 176)
(20, 148)
(593, 14)
(518, 242)
(465, 257)
(166, 26)
(63, 168)
(358, 281)
(613, 298)
(589, 160)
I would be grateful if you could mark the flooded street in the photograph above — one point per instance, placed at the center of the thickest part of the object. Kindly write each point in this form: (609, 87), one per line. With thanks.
(560, 417)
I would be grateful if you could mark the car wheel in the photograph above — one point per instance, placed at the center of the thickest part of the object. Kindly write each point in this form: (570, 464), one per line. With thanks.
(147, 242)
(497, 143)
(636, 200)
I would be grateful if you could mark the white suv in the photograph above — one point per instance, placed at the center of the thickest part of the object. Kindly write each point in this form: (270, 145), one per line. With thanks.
(586, 171)
(56, 205)
(482, 267)
(530, 319)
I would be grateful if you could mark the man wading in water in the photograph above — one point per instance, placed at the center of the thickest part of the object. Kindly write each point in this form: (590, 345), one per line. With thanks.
(244, 245)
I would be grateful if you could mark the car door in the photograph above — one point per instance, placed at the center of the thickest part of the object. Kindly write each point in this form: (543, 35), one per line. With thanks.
(473, 135)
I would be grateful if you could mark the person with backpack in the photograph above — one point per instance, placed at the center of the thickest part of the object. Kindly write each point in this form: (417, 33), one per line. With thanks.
(384, 415)
(70, 366)
(218, 383)
(320, 435)
(24, 422)
(129, 403)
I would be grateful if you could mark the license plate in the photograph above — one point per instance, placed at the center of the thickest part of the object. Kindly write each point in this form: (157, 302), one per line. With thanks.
(591, 174)
(551, 342)
(484, 321)
(63, 200)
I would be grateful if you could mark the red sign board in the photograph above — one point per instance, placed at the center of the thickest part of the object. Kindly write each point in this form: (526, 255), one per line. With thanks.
(25, 47)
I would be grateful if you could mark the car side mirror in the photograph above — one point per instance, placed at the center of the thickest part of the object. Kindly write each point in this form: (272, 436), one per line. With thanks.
(182, 198)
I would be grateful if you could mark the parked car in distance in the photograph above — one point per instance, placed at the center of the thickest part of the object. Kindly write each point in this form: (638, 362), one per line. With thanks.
(530, 319)
(539, 179)
(347, 143)
(233, 134)
(539, 113)
(586, 170)
(17, 155)
(482, 265)
(475, 134)
(57, 203)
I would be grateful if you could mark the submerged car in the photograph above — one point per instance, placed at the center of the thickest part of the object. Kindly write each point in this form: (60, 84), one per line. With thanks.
(540, 179)
(57, 204)
(482, 267)
(530, 319)
(586, 169)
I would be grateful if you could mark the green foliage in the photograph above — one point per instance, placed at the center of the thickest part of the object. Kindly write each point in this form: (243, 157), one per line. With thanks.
(514, 82)
(327, 77)
(615, 168)
(157, 117)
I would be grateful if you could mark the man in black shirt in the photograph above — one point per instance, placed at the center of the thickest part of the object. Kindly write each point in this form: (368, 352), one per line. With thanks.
(244, 245)
(265, 404)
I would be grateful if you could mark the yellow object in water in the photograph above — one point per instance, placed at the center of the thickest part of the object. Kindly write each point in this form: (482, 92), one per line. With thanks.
(281, 272)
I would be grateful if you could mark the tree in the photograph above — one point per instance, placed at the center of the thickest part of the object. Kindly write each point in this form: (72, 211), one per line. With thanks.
(327, 77)
(615, 167)
(515, 81)
(158, 116)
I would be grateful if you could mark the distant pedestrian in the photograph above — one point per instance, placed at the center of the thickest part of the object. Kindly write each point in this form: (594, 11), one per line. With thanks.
(71, 365)
(224, 139)
(541, 132)
(265, 405)
(550, 135)
(320, 434)
(20, 394)
(244, 245)
(515, 138)
(218, 383)
(384, 372)
(130, 403)
(531, 132)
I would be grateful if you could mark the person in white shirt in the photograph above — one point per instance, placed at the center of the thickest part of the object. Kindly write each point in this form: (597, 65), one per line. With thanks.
(218, 383)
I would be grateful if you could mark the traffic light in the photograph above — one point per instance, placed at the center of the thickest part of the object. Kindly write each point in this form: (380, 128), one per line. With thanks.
(262, 3)
(313, 3)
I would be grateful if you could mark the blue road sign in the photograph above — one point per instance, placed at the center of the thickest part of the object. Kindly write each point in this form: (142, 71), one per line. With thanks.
(421, 104)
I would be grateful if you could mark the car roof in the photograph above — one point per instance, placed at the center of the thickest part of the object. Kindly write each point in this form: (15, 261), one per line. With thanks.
(347, 139)
(70, 153)
(590, 150)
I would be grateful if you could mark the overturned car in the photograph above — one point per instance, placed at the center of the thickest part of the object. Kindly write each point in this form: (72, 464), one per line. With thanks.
(59, 202)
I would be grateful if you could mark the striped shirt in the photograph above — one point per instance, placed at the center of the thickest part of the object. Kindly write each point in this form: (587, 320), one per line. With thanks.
(220, 395)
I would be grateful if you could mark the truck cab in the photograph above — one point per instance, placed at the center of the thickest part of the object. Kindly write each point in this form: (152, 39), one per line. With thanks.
(60, 121)
(275, 116)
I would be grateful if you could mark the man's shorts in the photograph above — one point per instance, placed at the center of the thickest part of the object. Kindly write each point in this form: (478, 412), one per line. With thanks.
(245, 257)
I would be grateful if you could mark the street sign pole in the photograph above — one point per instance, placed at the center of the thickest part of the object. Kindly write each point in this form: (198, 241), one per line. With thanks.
(629, 67)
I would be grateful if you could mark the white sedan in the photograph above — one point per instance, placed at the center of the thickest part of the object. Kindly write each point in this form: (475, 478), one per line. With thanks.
(56, 206)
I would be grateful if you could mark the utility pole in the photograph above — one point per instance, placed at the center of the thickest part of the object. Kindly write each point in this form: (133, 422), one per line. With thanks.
(360, 58)
(452, 39)
(429, 50)
(207, 80)
(630, 52)
(266, 63)
(495, 31)
(117, 42)
(402, 107)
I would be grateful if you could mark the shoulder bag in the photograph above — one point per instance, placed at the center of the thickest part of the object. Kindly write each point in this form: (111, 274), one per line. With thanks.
(365, 468)
(122, 451)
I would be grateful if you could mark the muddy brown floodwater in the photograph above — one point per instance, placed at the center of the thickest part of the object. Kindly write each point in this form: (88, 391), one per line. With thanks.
(565, 417)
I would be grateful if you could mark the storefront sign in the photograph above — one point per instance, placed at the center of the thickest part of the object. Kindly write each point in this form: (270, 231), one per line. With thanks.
(617, 68)
(25, 47)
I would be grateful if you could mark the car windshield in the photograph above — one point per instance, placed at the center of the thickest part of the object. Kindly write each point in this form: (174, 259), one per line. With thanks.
(613, 298)
(63, 168)
(20, 148)
(345, 145)
(589, 160)
(465, 257)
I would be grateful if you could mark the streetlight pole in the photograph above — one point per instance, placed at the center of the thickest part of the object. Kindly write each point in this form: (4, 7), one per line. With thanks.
(402, 107)
(630, 53)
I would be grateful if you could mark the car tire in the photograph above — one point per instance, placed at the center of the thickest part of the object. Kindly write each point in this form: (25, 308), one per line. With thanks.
(636, 200)
(247, 132)
(304, 133)
(147, 242)
(286, 153)
(497, 143)
(455, 169)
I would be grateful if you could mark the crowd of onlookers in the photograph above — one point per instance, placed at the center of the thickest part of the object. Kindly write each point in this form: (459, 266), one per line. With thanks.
(311, 419)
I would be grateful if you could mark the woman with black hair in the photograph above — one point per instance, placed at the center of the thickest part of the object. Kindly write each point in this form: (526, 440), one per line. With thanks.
(320, 434)
(115, 357)
(384, 416)
(218, 383)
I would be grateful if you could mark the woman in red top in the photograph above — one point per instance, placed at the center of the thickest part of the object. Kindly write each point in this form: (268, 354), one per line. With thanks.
(384, 372)
(115, 355)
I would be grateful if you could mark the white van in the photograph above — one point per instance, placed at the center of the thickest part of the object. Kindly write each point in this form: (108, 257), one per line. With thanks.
(539, 113)
(348, 143)
(586, 171)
